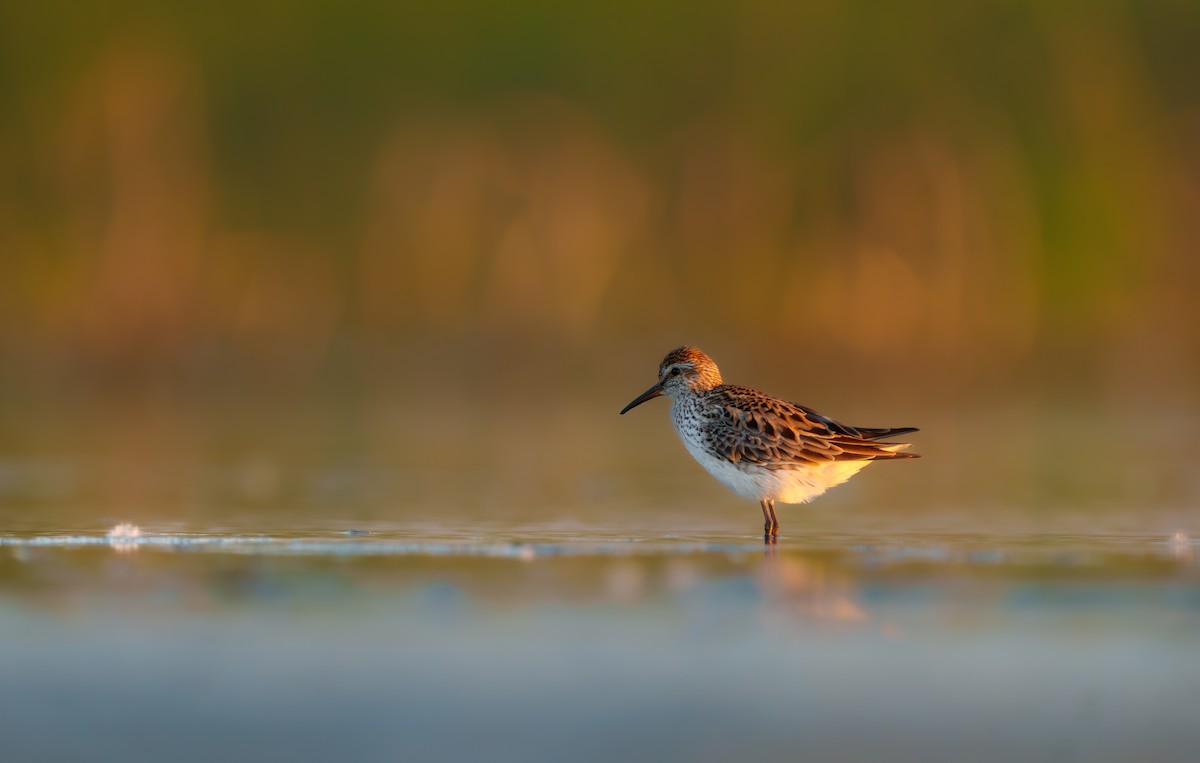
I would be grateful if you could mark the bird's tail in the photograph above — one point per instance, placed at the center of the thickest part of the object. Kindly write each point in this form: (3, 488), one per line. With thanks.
(893, 450)
(882, 433)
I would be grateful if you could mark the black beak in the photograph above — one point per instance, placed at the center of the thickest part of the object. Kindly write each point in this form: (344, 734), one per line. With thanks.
(649, 394)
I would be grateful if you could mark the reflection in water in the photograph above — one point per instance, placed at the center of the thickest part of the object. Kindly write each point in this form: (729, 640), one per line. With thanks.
(818, 581)
(808, 588)
(1182, 546)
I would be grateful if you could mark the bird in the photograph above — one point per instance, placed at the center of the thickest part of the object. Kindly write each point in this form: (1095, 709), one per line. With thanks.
(759, 446)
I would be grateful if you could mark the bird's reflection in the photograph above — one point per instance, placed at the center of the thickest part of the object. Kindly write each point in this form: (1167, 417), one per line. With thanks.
(799, 586)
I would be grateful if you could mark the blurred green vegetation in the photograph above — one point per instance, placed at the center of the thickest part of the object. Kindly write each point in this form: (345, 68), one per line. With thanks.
(450, 234)
(963, 191)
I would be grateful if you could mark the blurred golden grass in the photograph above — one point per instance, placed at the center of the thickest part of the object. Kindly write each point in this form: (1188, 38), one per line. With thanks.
(889, 212)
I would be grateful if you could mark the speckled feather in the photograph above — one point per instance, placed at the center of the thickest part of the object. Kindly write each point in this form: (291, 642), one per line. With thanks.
(745, 425)
(760, 446)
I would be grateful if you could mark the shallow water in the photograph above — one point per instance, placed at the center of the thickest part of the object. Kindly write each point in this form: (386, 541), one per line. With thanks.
(176, 585)
(595, 643)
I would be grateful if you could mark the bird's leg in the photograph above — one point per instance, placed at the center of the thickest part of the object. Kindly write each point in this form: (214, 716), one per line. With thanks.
(768, 517)
(774, 519)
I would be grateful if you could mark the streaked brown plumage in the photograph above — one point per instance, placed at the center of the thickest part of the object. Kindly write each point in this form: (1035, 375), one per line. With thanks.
(760, 446)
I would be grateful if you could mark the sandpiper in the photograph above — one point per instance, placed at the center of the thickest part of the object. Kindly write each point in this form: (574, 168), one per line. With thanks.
(760, 446)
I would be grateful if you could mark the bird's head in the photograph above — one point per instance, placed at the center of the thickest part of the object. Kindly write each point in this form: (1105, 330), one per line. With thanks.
(685, 370)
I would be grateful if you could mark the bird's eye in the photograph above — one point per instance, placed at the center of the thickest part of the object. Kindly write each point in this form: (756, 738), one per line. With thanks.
(674, 371)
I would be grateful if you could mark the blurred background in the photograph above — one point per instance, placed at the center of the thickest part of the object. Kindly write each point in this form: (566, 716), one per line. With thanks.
(383, 259)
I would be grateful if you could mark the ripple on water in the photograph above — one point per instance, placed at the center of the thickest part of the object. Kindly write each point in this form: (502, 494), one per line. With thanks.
(533, 543)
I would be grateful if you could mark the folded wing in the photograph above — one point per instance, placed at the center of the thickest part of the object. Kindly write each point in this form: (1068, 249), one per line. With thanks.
(750, 426)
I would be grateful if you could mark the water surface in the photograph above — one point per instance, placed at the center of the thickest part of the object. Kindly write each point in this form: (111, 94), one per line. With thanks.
(595, 643)
(560, 583)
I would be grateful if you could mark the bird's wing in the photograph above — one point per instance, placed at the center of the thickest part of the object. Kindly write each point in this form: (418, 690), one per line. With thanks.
(747, 425)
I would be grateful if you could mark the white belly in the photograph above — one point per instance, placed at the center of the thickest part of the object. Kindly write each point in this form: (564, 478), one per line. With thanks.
(784, 485)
